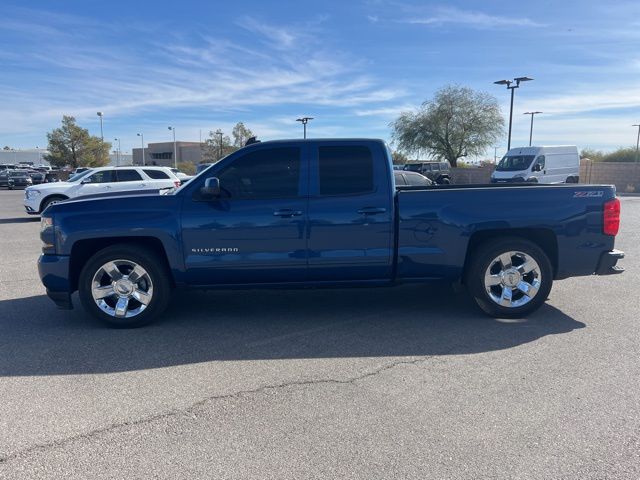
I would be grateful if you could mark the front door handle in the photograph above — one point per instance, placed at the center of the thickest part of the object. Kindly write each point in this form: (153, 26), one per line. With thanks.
(371, 210)
(287, 213)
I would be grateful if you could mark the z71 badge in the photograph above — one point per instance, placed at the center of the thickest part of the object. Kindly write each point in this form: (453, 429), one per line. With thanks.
(588, 193)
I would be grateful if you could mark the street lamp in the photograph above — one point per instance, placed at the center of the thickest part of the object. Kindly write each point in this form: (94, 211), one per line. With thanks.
(175, 150)
(512, 85)
(220, 133)
(118, 152)
(100, 114)
(304, 121)
(531, 128)
(637, 143)
(141, 135)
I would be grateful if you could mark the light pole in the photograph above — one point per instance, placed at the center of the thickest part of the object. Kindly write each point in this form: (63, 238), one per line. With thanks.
(304, 121)
(118, 152)
(512, 85)
(495, 154)
(141, 135)
(220, 133)
(100, 114)
(175, 150)
(531, 128)
(637, 143)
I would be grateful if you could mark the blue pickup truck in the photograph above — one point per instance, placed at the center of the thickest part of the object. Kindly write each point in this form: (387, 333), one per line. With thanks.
(316, 213)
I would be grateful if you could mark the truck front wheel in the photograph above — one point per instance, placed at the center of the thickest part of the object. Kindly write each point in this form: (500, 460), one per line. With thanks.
(509, 278)
(125, 286)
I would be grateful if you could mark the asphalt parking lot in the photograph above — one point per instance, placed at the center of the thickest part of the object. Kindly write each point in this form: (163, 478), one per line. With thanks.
(410, 382)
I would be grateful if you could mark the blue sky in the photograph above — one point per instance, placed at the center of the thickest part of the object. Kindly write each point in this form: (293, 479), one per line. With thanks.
(354, 65)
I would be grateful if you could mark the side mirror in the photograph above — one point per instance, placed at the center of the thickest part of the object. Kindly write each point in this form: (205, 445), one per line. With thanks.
(211, 188)
(86, 180)
(537, 167)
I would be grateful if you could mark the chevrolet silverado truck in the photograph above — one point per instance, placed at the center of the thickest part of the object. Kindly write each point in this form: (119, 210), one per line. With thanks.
(323, 213)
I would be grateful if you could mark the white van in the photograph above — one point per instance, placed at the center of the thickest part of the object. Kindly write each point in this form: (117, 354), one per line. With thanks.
(539, 165)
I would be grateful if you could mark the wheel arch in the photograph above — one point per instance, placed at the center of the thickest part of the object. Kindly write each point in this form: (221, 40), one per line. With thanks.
(53, 195)
(543, 237)
(83, 250)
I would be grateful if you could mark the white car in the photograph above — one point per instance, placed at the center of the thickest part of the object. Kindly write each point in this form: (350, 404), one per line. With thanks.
(98, 180)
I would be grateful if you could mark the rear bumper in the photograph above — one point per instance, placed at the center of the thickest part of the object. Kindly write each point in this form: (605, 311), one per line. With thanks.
(607, 264)
(54, 273)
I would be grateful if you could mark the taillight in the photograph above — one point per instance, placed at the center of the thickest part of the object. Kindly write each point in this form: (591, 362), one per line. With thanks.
(611, 217)
(177, 183)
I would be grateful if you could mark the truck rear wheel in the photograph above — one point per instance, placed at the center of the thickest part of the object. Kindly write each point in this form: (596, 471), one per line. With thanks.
(510, 277)
(125, 286)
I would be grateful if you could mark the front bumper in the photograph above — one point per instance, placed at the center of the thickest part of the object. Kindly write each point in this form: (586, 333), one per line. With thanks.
(607, 264)
(54, 272)
(32, 205)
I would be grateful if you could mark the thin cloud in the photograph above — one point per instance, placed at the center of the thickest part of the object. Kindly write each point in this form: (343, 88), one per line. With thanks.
(86, 74)
(447, 16)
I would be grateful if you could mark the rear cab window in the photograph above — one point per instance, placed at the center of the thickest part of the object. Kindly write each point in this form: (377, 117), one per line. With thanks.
(345, 170)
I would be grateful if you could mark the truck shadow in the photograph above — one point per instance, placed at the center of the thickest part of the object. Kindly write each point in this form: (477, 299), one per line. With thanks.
(37, 339)
(4, 221)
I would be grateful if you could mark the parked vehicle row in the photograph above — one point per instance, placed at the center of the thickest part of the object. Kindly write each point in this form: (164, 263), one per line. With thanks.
(313, 213)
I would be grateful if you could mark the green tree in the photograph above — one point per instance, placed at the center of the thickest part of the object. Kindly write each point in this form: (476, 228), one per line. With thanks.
(71, 145)
(216, 146)
(458, 121)
(623, 154)
(595, 155)
(187, 167)
(399, 158)
(240, 135)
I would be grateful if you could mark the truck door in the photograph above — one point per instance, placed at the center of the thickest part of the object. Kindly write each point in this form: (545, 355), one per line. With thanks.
(255, 231)
(350, 212)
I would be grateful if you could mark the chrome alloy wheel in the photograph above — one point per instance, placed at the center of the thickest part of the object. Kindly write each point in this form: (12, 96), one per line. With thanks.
(122, 288)
(512, 279)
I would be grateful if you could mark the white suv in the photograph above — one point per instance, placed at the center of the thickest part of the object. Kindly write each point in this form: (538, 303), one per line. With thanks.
(98, 180)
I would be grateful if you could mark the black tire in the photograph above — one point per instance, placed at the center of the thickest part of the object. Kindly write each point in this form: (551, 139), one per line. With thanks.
(149, 261)
(52, 199)
(484, 256)
(572, 180)
(445, 181)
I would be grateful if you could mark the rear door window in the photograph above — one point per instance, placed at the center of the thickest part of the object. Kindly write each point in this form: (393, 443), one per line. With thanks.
(128, 175)
(345, 170)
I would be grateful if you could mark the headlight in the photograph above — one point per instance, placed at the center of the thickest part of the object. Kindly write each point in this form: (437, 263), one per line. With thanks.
(45, 223)
(32, 193)
(47, 235)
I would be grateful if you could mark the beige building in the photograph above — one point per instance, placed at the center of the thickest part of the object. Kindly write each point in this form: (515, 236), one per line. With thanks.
(161, 154)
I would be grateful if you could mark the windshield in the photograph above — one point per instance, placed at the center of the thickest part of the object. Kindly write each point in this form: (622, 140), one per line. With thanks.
(78, 176)
(17, 173)
(413, 167)
(514, 163)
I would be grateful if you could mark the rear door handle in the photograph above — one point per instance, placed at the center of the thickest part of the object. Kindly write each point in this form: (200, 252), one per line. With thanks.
(371, 210)
(287, 213)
